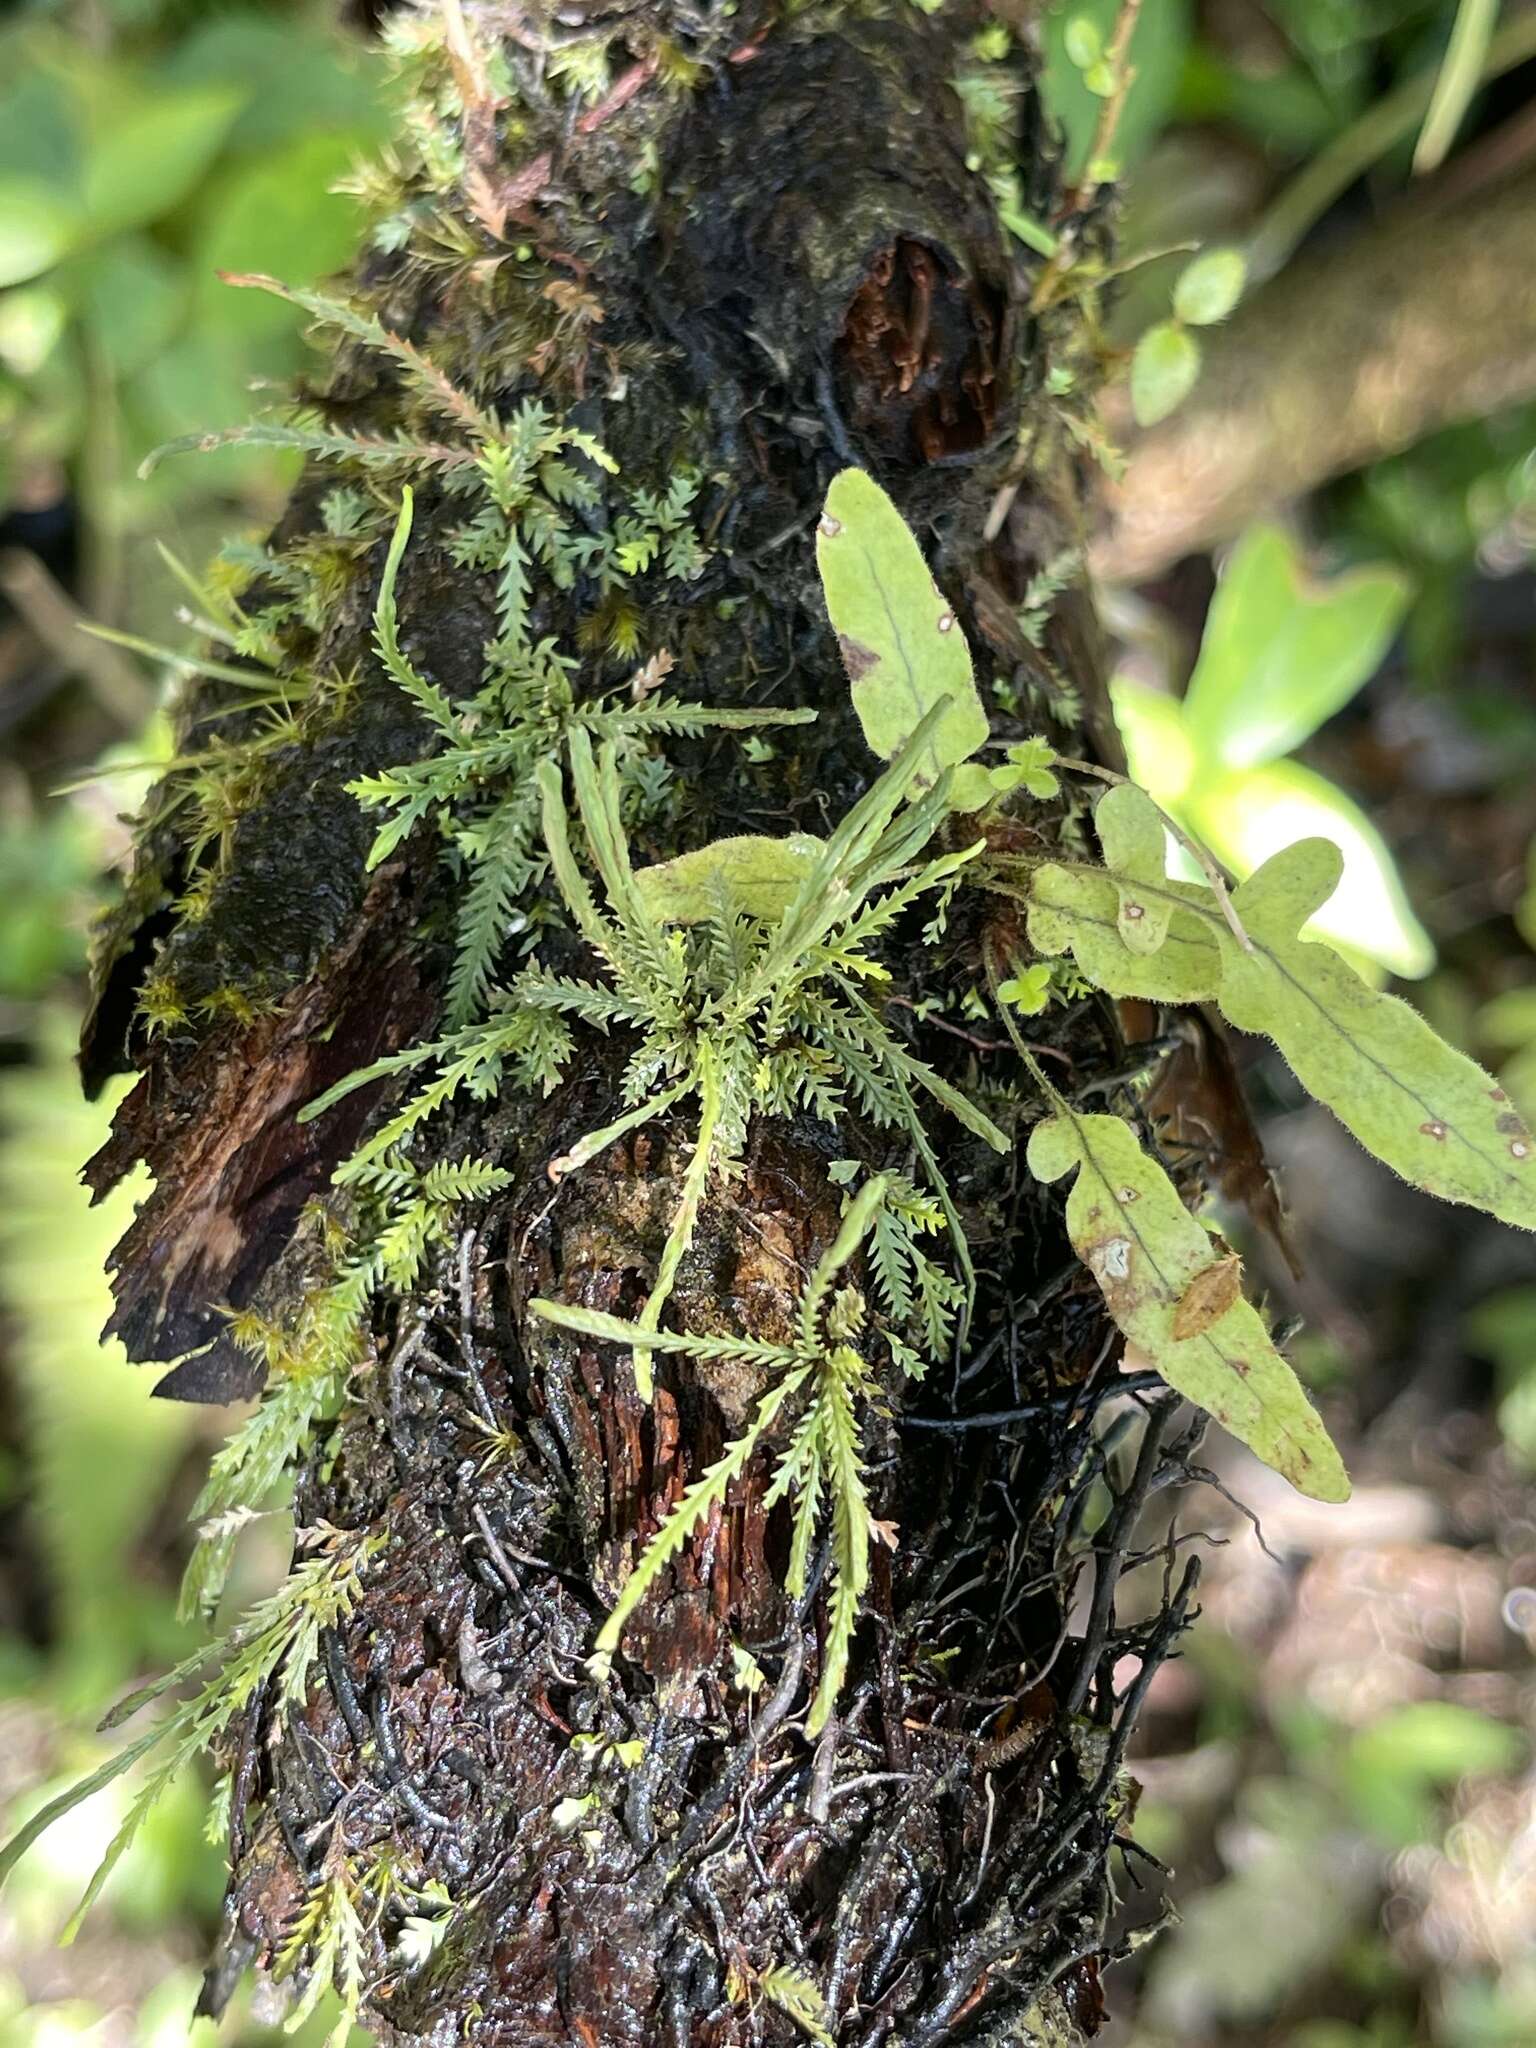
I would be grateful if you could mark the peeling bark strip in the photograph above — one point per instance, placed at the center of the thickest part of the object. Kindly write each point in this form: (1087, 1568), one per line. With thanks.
(757, 254)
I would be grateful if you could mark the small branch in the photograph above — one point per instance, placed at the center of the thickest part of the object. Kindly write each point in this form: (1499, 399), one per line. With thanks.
(60, 625)
(1351, 353)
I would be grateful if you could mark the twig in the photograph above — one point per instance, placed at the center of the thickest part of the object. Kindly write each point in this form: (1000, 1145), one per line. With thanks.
(58, 623)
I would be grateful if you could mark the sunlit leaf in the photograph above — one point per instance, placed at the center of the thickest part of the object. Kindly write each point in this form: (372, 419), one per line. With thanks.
(901, 643)
(1248, 817)
(1158, 1270)
(1281, 653)
(1158, 746)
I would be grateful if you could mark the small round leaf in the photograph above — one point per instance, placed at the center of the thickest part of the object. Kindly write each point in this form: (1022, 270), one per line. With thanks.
(1163, 369)
(1210, 287)
(1084, 45)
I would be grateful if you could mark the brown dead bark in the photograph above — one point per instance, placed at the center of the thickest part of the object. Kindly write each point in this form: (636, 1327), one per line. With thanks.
(813, 276)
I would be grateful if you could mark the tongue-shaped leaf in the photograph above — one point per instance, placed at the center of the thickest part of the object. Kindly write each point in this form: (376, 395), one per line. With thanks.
(1428, 1111)
(901, 644)
(1161, 1277)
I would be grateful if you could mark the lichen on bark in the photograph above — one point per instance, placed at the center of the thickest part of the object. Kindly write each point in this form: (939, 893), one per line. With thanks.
(758, 250)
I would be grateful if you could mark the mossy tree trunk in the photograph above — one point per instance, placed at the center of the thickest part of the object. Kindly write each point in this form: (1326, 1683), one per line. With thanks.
(758, 251)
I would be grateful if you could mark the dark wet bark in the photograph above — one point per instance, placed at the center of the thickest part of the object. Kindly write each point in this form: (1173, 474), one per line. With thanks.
(815, 277)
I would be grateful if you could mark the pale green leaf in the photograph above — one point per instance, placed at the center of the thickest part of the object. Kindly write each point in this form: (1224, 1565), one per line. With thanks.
(147, 149)
(1077, 910)
(901, 643)
(37, 227)
(1427, 1111)
(1147, 1254)
(1164, 367)
(753, 875)
(1282, 653)
(1210, 287)
(1248, 816)
(1158, 746)
(1134, 839)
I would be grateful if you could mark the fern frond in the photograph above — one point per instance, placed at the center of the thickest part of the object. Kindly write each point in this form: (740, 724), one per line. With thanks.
(501, 868)
(423, 374)
(386, 633)
(711, 1486)
(376, 451)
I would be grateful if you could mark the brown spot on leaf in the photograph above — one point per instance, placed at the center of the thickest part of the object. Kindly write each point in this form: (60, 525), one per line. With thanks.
(857, 658)
(1433, 1130)
(1208, 1296)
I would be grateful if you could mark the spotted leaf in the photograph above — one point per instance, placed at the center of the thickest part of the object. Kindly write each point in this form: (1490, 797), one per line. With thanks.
(1160, 1274)
(901, 643)
(1426, 1110)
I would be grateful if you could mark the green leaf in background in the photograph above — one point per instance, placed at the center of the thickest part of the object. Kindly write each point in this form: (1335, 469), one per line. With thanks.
(146, 148)
(1502, 1327)
(1245, 818)
(1282, 653)
(101, 1455)
(1164, 367)
(1173, 1293)
(36, 228)
(756, 877)
(1392, 1769)
(901, 643)
(1425, 1110)
(1508, 1023)
(272, 212)
(1080, 29)
(1209, 288)
(131, 296)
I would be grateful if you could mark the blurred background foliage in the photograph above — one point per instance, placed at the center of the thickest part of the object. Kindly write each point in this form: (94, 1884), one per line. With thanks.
(1340, 1769)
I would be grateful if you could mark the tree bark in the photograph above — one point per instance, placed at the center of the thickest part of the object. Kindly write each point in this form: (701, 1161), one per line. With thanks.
(811, 275)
